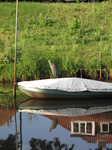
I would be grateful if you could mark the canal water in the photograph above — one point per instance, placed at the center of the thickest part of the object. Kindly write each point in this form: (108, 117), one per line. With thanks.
(57, 125)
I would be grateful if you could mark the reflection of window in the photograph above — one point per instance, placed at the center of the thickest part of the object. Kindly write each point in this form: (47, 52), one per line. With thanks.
(89, 127)
(76, 127)
(110, 127)
(83, 127)
(106, 127)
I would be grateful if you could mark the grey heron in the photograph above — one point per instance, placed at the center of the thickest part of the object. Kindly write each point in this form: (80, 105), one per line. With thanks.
(53, 69)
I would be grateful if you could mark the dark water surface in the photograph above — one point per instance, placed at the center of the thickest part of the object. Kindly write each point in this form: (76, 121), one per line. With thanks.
(57, 125)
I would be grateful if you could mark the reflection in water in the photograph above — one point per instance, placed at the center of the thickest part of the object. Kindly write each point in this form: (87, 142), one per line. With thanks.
(91, 125)
(33, 104)
(14, 103)
(97, 126)
(83, 127)
(101, 144)
(20, 131)
(6, 116)
(39, 144)
(54, 124)
(11, 142)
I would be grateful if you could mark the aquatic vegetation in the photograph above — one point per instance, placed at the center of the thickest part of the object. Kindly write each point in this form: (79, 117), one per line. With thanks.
(6, 97)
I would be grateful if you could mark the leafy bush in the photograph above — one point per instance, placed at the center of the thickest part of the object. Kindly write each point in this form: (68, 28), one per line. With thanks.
(75, 30)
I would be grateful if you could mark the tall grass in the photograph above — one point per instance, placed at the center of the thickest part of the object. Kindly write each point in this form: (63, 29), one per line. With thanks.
(71, 35)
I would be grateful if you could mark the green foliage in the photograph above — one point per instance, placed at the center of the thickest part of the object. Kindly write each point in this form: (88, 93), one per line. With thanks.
(99, 33)
(75, 29)
(71, 35)
(44, 20)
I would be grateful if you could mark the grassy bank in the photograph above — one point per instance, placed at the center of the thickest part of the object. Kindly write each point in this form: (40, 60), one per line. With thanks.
(71, 35)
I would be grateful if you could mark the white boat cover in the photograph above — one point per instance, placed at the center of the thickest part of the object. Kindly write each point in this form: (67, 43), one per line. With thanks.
(69, 84)
(70, 111)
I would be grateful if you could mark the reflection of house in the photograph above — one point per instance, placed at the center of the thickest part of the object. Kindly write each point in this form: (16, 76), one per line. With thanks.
(100, 119)
(83, 128)
(5, 116)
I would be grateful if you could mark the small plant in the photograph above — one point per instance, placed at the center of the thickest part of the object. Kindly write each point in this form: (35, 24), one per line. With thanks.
(99, 33)
(77, 7)
(75, 29)
(44, 20)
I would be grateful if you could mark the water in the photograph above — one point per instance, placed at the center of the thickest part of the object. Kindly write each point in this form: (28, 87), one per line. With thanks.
(52, 124)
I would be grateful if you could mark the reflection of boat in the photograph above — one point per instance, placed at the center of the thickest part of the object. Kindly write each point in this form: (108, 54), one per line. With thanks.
(60, 104)
(45, 104)
(65, 108)
(66, 88)
(68, 111)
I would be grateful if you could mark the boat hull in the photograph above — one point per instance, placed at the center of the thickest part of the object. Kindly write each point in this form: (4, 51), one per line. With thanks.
(58, 94)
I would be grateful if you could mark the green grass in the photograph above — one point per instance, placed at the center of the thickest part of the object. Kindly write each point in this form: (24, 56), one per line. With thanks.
(71, 35)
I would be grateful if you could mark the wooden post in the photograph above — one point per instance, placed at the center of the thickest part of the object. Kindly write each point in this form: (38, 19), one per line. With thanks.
(14, 87)
(81, 72)
(101, 66)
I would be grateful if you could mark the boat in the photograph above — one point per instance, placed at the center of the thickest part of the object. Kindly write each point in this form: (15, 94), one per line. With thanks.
(61, 88)
(66, 88)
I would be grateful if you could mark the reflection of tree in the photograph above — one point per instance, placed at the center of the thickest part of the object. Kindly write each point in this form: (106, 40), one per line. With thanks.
(37, 144)
(32, 116)
(9, 143)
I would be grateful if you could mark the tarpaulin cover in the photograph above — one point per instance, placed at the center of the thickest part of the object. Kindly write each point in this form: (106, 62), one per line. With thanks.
(69, 84)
